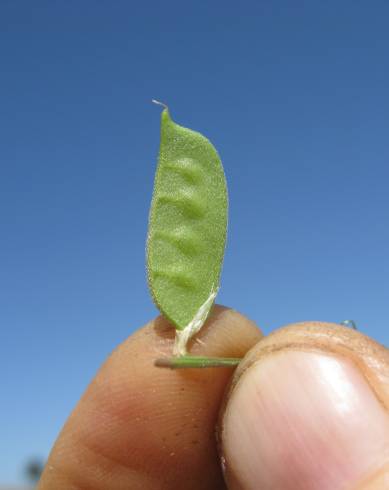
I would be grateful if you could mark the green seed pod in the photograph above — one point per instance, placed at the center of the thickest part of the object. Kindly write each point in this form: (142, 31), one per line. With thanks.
(187, 229)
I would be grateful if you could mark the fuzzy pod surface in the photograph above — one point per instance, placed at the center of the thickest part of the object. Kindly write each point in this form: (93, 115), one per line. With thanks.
(187, 225)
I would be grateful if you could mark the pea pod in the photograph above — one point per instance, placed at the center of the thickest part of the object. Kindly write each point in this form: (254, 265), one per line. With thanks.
(187, 229)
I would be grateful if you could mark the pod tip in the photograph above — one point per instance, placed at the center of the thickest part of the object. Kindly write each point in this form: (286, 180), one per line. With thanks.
(157, 102)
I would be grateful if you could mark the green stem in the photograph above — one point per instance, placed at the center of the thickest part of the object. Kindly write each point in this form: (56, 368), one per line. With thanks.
(196, 362)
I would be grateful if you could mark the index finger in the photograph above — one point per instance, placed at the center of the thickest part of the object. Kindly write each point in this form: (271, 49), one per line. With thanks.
(142, 427)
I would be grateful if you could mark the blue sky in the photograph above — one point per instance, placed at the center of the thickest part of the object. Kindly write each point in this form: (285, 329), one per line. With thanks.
(294, 95)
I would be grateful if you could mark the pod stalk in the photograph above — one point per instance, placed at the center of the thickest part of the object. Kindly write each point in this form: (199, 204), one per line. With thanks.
(181, 362)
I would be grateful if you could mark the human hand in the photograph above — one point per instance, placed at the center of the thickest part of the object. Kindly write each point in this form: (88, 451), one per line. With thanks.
(306, 409)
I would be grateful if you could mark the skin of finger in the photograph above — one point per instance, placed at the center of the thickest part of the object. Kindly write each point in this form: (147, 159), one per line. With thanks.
(378, 481)
(369, 357)
(142, 427)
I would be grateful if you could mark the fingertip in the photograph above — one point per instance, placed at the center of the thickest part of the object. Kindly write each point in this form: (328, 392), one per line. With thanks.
(302, 415)
(137, 423)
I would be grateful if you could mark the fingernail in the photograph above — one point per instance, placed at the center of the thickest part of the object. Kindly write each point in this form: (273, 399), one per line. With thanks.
(300, 420)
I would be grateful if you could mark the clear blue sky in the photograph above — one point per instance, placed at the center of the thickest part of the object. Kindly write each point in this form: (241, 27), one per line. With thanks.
(294, 95)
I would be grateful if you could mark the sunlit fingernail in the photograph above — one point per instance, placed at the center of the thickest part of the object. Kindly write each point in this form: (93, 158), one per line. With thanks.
(299, 420)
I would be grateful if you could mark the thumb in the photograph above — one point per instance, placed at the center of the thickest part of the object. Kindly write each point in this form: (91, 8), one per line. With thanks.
(308, 410)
